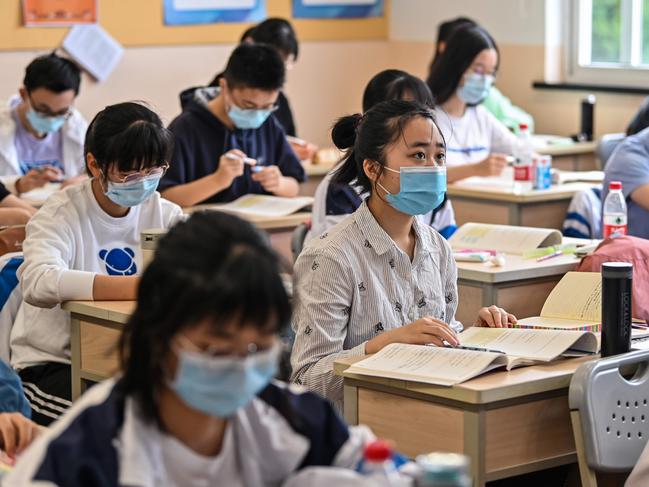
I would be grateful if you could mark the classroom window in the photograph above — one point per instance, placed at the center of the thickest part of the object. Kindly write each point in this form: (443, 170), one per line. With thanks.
(609, 43)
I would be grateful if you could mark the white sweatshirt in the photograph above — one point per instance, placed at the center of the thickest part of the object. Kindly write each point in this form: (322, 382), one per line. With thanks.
(68, 242)
(473, 136)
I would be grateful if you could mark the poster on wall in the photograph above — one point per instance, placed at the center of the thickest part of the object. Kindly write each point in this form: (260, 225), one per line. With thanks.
(337, 9)
(58, 13)
(186, 12)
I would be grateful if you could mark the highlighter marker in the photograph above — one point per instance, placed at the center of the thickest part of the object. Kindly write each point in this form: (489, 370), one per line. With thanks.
(246, 160)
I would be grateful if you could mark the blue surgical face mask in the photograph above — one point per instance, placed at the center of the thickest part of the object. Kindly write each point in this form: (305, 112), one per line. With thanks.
(132, 193)
(421, 189)
(476, 88)
(249, 118)
(218, 386)
(44, 124)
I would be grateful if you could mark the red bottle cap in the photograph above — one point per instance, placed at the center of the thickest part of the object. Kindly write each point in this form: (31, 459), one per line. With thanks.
(523, 126)
(378, 451)
(615, 185)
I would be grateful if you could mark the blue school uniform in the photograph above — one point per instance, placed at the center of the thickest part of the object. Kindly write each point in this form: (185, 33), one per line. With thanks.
(12, 398)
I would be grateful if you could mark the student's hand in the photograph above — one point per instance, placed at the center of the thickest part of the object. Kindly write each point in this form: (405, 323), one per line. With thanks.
(304, 152)
(72, 181)
(16, 432)
(230, 168)
(495, 317)
(492, 165)
(37, 178)
(269, 177)
(421, 332)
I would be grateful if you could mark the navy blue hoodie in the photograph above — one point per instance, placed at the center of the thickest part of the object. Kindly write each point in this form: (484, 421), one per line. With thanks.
(201, 139)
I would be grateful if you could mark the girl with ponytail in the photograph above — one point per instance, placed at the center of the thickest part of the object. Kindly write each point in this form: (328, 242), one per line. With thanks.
(380, 276)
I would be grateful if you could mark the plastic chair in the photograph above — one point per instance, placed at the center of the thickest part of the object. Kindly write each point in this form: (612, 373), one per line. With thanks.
(610, 414)
(606, 146)
(298, 237)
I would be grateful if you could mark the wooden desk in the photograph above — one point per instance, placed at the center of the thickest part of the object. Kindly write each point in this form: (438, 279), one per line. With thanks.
(488, 203)
(579, 156)
(315, 174)
(280, 229)
(520, 286)
(508, 423)
(96, 327)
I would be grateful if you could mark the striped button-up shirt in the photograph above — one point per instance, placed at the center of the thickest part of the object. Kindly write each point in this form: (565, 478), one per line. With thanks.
(353, 283)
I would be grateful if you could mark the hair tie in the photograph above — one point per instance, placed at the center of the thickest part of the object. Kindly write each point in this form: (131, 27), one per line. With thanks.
(359, 119)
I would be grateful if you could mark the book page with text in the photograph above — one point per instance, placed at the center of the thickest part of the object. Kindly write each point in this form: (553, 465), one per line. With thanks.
(431, 365)
(265, 205)
(577, 296)
(542, 345)
(503, 238)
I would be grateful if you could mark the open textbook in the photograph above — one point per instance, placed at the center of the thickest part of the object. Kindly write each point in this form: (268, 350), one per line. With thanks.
(503, 238)
(264, 205)
(575, 303)
(507, 348)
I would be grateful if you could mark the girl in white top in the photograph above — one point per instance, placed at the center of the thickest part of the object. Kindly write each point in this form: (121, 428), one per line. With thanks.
(477, 144)
(84, 244)
(381, 276)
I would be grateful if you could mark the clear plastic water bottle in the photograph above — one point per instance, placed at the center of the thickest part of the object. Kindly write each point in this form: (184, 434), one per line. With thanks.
(523, 167)
(378, 466)
(615, 217)
(443, 470)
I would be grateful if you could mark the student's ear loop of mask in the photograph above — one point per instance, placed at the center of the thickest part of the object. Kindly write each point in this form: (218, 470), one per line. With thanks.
(376, 189)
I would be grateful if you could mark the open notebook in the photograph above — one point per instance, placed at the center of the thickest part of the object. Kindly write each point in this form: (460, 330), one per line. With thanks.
(264, 205)
(503, 238)
(448, 366)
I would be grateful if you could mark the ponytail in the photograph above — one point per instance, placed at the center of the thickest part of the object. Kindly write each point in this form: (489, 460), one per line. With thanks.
(343, 135)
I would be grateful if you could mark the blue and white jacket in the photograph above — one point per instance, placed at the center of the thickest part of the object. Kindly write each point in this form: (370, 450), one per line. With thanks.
(103, 441)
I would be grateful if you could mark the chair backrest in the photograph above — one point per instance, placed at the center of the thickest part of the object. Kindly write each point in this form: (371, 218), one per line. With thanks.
(606, 146)
(297, 239)
(614, 411)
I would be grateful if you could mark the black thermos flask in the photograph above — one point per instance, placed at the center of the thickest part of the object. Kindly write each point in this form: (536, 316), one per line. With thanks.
(587, 117)
(617, 279)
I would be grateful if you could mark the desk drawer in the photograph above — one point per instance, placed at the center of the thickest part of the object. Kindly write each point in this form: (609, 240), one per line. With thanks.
(414, 425)
(99, 352)
(529, 432)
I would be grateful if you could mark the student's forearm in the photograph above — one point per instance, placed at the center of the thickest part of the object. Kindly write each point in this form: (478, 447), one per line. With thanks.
(456, 173)
(115, 288)
(12, 201)
(288, 187)
(190, 194)
(14, 216)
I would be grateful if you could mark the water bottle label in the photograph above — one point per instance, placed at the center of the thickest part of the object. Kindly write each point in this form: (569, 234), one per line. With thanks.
(615, 224)
(523, 173)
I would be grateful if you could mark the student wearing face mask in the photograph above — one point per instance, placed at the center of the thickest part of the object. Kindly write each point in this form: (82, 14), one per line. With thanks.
(41, 133)
(280, 34)
(334, 202)
(84, 243)
(380, 276)
(496, 103)
(195, 403)
(460, 79)
(227, 144)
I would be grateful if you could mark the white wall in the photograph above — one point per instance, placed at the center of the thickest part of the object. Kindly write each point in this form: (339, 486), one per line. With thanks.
(326, 83)
(509, 21)
(329, 78)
